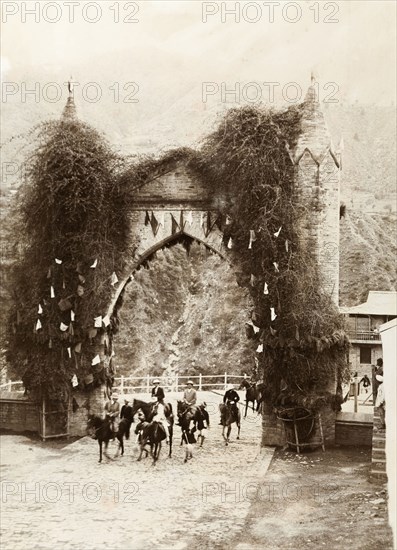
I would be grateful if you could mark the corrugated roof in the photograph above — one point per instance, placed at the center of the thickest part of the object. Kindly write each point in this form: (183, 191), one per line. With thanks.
(378, 302)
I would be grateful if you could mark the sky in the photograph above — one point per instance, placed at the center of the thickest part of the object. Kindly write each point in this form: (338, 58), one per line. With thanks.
(349, 43)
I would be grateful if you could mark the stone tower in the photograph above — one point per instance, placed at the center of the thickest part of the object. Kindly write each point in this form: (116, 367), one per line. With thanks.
(317, 176)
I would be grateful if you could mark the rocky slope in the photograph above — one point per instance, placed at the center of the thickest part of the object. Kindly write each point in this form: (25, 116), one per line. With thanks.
(368, 253)
(185, 313)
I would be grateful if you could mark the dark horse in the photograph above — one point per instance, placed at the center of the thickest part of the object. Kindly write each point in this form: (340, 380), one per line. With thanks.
(253, 394)
(101, 430)
(152, 434)
(196, 413)
(229, 413)
(148, 410)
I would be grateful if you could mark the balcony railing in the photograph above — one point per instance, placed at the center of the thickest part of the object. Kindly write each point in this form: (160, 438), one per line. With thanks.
(363, 335)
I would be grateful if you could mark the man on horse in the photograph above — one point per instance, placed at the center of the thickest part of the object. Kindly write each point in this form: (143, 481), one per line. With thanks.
(159, 416)
(157, 390)
(190, 395)
(112, 411)
(231, 398)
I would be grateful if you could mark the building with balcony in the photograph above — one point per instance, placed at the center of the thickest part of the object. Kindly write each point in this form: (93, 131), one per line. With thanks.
(363, 322)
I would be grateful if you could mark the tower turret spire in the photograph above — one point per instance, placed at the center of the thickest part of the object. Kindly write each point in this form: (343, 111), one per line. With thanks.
(69, 111)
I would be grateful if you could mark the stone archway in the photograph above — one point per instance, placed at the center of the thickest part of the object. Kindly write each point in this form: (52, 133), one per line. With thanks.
(175, 201)
(181, 312)
(169, 225)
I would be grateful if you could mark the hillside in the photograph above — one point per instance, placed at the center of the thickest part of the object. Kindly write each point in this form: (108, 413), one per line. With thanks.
(368, 254)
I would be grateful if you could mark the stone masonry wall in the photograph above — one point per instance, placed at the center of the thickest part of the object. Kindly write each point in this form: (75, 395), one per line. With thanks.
(81, 406)
(18, 413)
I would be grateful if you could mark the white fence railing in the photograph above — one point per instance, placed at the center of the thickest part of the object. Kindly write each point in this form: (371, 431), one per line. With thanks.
(143, 384)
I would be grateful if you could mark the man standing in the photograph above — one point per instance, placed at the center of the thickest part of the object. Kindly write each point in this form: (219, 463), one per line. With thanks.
(126, 412)
(190, 394)
(380, 398)
(375, 382)
(112, 410)
(366, 382)
(157, 390)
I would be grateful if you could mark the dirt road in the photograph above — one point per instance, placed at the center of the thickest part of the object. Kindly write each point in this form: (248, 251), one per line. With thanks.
(62, 498)
(57, 496)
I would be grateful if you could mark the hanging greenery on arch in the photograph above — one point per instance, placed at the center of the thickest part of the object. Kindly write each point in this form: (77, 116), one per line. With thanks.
(73, 229)
(299, 334)
(74, 208)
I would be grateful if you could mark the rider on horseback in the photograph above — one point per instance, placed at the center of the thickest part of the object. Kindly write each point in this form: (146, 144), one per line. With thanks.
(159, 416)
(231, 398)
(157, 390)
(190, 395)
(112, 411)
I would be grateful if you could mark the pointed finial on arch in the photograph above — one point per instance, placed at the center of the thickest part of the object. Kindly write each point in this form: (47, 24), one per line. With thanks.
(312, 95)
(71, 87)
(69, 111)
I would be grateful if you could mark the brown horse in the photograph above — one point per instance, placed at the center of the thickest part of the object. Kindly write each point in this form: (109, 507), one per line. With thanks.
(253, 394)
(101, 430)
(152, 434)
(148, 410)
(197, 414)
(230, 413)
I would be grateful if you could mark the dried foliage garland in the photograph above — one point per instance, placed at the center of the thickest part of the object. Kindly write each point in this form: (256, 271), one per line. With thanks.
(75, 206)
(73, 214)
(300, 329)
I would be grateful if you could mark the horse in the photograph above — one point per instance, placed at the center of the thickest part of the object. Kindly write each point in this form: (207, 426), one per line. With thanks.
(253, 393)
(196, 413)
(151, 433)
(148, 410)
(101, 430)
(229, 414)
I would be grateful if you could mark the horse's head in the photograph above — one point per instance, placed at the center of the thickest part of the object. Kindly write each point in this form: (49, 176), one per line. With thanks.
(93, 423)
(134, 407)
(245, 383)
(181, 407)
(146, 408)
